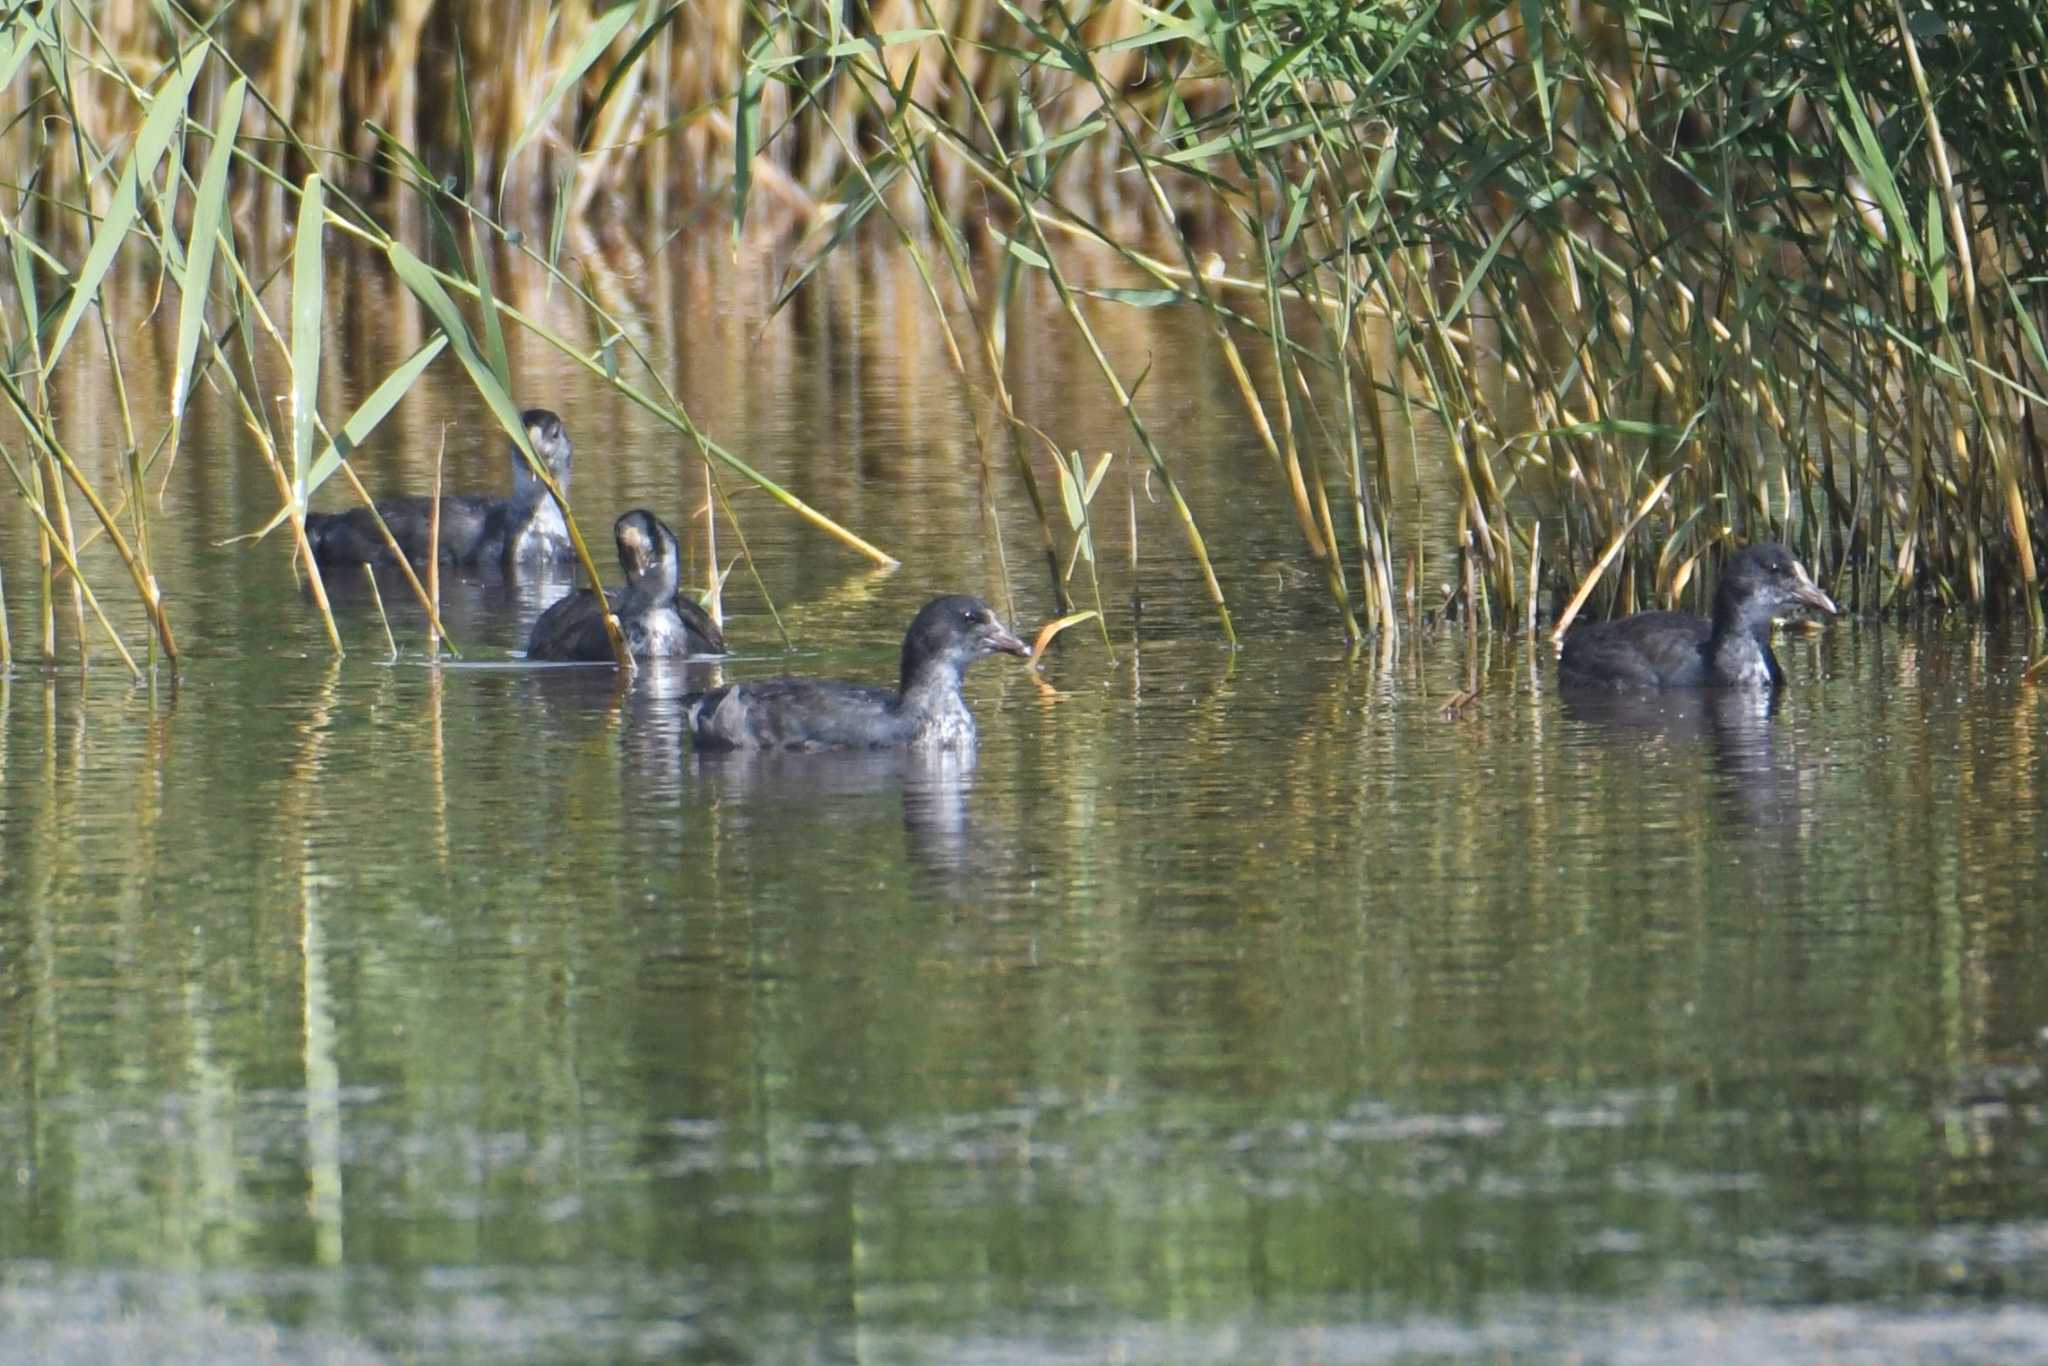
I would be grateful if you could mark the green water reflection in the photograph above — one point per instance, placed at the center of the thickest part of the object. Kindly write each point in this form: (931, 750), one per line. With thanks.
(462, 1013)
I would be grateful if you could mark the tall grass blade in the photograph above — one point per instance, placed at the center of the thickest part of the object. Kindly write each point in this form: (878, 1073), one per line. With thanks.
(165, 110)
(480, 265)
(365, 419)
(209, 210)
(1859, 142)
(18, 41)
(859, 192)
(596, 39)
(746, 127)
(309, 301)
(618, 73)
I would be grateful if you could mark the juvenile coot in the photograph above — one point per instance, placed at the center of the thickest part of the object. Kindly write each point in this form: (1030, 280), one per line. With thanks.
(1677, 650)
(657, 622)
(476, 528)
(811, 713)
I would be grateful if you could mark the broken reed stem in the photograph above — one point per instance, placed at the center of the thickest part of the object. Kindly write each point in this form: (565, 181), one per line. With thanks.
(1131, 508)
(46, 600)
(31, 485)
(377, 597)
(434, 554)
(68, 538)
(6, 641)
(398, 558)
(55, 457)
(739, 533)
(63, 554)
(1535, 565)
(714, 602)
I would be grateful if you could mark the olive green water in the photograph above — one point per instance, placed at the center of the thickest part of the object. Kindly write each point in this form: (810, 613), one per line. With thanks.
(1232, 1008)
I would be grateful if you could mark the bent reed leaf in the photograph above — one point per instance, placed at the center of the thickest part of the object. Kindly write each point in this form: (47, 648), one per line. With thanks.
(1051, 629)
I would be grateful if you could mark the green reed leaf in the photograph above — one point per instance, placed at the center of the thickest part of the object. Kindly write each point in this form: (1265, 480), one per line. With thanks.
(595, 40)
(620, 69)
(208, 210)
(365, 419)
(165, 109)
(746, 127)
(309, 289)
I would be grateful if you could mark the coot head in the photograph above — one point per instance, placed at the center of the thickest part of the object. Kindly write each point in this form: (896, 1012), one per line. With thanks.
(955, 631)
(550, 441)
(649, 553)
(1763, 582)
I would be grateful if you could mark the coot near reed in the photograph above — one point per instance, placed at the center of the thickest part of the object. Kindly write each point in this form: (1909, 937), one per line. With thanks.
(926, 710)
(657, 623)
(1677, 650)
(476, 528)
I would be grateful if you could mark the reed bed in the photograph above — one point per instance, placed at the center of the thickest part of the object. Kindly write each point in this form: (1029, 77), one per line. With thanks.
(1659, 280)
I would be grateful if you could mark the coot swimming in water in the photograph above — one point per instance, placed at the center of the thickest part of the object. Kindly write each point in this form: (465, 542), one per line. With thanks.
(812, 713)
(1677, 650)
(476, 528)
(656, 621)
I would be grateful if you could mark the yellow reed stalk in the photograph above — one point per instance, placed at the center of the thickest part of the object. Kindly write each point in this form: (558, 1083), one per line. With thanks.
(714, 602)
(62, 552)
(377, 597)
(419, 589)
(1614, 545)
(1986, 393)
(434, 553)
(145, 582)
(54, 482)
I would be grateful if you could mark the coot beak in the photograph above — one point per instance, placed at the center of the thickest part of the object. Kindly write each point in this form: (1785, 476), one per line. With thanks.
(999, 639)
(1808, 592)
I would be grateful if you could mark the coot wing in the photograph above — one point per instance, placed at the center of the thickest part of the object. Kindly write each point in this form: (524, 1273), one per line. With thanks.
(463, 518)
(352, 537)
(1647, 650)
(702, 633)
(795, 713)
(345, 537)
(571, 628)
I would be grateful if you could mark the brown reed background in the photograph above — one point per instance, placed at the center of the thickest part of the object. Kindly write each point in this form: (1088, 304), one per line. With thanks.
(1663, 279)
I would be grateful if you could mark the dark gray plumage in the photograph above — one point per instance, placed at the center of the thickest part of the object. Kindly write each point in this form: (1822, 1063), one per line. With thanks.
(926, 710)
(1677, 650)
(657, 621)
(524, 527)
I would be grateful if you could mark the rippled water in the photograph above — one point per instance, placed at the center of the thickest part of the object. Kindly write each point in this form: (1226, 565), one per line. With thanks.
(1223, 1008)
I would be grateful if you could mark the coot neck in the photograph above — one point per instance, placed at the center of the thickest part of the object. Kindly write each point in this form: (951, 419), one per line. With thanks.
(1739, 613)
(537, 520)
(648, 590)
(928, 683)
(528, 492)
(1739, 651)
